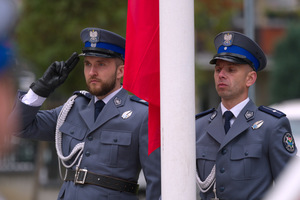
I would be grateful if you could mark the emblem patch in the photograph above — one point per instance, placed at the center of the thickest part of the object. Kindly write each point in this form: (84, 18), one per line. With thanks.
(288, 142)
(126, 114)
(228, 39)
(257, 124)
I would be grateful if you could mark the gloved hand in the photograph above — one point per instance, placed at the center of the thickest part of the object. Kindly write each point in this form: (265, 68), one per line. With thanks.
(54, 76)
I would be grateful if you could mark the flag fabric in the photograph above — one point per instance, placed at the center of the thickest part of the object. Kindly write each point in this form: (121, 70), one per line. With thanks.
(141, 75)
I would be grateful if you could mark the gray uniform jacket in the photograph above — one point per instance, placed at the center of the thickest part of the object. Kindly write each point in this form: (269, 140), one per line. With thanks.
(249, 157)
(114, 146)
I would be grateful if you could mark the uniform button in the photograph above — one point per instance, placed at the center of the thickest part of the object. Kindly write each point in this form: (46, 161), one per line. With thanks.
(224, 151)
(72, 132)
(115, 140)
(87, 154)
(222, 188)
(246, 153)
(222, 170)
(90, 138)
(203, 155)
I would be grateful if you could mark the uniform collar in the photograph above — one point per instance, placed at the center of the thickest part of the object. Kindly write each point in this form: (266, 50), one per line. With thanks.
(108, 97)
(237, 108)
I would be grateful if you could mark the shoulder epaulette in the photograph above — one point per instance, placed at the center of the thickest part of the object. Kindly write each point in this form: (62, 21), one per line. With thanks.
(271, 111)
(205, 113)
(84, 93)
(136, 99)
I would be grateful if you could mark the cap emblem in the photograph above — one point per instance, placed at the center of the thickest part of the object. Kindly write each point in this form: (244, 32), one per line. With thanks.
(228, 39)
(94, 36)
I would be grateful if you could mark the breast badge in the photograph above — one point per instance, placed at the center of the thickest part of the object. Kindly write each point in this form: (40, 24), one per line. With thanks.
(257, 124)
(126, 114)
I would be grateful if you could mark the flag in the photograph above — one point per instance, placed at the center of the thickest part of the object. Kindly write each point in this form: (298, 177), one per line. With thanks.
(141, 75)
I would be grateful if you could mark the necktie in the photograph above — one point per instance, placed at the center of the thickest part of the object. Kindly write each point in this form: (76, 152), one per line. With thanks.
(228, 115)
(98, 107)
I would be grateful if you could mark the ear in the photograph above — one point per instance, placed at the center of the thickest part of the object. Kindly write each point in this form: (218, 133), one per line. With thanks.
(120, 71)
(251, 78)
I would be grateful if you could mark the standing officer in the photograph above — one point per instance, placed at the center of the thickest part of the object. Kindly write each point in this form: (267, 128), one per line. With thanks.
(103, 152)
(241, 148)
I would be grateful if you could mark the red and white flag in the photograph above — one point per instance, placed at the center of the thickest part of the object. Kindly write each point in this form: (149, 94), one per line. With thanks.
(142, 72)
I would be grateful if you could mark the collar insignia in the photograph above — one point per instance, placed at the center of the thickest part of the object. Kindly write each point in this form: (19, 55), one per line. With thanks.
(117, 101)
(213, 115)
(126, 114)
(257, 124)
(249, 114)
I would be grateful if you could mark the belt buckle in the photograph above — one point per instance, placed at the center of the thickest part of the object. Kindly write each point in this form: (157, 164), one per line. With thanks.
(80, 178)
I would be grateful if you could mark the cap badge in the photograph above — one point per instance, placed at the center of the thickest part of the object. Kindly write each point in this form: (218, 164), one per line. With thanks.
(94, 36)
(126, 114)
(288, 142)
(257, 124)
(228, 39)
(117, 101)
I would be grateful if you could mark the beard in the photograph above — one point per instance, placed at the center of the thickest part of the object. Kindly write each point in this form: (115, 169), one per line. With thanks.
(104, 89)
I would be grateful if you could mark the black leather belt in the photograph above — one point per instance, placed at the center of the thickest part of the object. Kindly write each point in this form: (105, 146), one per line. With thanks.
(83, 176)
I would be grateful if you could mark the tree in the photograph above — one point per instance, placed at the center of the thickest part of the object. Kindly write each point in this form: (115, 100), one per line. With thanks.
(50, 31)
(285, 82)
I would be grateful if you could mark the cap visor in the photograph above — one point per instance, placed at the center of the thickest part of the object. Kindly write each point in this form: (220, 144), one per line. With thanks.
(229, 58)
(93, 54)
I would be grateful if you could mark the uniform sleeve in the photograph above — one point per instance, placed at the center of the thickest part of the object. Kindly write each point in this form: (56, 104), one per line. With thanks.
(150, 164)
(282, 146)
(35, 123)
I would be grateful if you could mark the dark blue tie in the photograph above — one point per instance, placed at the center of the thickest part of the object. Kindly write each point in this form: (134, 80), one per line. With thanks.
(98, 107)
(228, 115)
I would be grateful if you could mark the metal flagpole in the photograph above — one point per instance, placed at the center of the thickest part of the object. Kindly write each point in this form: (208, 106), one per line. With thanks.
(177, 90)
(249, 27)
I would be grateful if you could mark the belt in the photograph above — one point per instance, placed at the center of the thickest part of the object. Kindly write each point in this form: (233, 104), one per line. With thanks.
(83, 176)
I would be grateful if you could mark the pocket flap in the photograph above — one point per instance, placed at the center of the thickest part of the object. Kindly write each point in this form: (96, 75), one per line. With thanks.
(118, 138)
(246, 151)
(72, 131)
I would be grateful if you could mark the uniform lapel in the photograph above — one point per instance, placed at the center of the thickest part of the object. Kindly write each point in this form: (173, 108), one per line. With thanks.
(214, 129)
(241, 123)
(111, 110)
(87, 114)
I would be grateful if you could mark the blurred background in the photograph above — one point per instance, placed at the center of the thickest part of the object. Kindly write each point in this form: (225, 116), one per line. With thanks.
(46, 31)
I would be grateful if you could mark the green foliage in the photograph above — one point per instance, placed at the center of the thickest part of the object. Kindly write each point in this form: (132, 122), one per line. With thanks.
(285, 82)
(50, 31)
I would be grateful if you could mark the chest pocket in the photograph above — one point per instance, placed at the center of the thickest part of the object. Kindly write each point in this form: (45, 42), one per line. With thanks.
(206, 158)
(71, 136)
(245, 160)
(116, 146)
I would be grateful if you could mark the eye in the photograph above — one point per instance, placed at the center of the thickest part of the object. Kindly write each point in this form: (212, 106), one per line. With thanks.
(87, 64)
(217, 69)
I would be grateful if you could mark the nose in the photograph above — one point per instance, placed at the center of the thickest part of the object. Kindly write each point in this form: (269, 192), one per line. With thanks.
(92, 70)
(222, 73)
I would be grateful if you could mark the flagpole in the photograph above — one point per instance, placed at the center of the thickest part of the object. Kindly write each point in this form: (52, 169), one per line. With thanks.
(177, 90)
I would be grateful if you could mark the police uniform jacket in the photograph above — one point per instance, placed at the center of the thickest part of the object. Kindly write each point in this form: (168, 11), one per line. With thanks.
(249, 157)
(114, 146)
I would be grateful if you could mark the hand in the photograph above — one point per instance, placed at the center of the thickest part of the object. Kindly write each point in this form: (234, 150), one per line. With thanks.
(54, 76)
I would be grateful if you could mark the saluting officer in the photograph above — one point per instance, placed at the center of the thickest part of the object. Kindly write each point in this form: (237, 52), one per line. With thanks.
(241, 148)
(101, 136)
